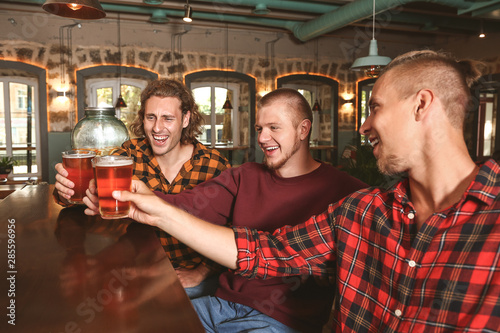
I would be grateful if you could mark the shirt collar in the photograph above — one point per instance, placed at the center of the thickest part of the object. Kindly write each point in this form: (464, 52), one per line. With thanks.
(200, 151)
(485, 187)
(145, 146)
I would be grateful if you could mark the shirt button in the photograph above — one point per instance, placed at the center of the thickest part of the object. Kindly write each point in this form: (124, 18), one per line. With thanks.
(398, 313)
(412, 264)
(411, 216)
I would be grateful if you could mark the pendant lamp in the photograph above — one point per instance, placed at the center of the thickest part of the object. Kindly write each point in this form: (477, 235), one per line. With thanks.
(373, 63)
(120, 102)
(227, 133)
(188, 13)
(77, 9)
(316, 106)
(227, 103)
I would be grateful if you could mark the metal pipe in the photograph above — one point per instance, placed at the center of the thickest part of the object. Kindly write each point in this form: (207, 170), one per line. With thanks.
(304, 31)
(353, 12)
(305, 7)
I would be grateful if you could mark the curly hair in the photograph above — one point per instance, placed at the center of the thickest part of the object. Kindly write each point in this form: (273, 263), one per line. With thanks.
(171, 88)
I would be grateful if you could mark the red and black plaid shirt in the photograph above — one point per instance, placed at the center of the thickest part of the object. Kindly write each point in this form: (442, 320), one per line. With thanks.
(390, 277)
(205, 164)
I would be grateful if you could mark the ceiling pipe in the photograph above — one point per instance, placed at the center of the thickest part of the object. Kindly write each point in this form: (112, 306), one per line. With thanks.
(306, 7)
(356, 11)
(304, 31)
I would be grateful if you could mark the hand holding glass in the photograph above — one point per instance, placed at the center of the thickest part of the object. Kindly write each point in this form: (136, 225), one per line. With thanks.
(78, 163)
(113, 173)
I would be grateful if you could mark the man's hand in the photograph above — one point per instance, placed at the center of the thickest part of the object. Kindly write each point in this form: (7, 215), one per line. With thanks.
(145, 206)
(63, 184)
(192, 277)
(92, 200)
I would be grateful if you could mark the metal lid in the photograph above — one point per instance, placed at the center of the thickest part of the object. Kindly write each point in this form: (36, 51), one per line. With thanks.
(96, 110)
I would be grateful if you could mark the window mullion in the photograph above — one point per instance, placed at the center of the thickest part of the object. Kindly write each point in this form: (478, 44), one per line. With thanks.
(8, 124)
(29, 120)
(213, 116)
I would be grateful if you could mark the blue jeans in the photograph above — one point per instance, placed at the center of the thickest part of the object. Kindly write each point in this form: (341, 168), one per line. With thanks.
(205, 288)
(220, 316)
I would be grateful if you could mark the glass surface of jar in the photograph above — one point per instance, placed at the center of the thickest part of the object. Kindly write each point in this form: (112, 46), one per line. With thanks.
(99, 130)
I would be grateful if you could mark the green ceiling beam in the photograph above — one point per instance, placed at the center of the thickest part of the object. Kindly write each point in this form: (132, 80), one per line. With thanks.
(480, 7)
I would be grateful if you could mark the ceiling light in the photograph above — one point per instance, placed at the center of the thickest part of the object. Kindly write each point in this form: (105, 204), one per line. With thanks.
(77, 9)
(64, 94)
(188, 13)
(481, 31)
(74, 6)
(120, 102)
(373, 63)
(316, 106)
(227, 104)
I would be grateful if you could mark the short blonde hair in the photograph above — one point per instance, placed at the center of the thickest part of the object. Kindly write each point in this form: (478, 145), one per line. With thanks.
(297, 103)
(450, 79)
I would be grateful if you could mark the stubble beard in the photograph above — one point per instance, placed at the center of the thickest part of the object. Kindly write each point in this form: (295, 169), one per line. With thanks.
(279, 164)
(391, 165)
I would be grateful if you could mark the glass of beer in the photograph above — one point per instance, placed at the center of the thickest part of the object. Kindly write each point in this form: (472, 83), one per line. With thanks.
(113, 173)
(78, 163)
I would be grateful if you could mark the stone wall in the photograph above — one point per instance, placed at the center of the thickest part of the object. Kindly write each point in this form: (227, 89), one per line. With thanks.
(166, 64)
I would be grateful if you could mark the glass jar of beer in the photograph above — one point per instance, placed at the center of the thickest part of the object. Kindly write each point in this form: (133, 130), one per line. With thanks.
(99, 130)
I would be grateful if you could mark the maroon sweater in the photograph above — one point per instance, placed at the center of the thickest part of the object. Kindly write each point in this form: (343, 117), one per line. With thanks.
(252, 196)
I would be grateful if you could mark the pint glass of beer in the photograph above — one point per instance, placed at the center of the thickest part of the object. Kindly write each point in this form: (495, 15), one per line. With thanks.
(113, 173)
(78, 163)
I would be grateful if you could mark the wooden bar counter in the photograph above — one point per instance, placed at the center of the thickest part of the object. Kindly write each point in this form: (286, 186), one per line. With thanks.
(64, 271)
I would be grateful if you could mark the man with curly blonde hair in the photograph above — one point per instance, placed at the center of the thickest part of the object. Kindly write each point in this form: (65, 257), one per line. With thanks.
(168, 158)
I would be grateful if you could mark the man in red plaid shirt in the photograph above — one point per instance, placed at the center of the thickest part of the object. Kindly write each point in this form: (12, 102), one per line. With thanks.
(423, 256)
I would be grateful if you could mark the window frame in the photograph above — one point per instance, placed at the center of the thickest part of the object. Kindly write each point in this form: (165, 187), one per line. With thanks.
(91, 86)
(103, 72)
(30, 82)
(235, 89)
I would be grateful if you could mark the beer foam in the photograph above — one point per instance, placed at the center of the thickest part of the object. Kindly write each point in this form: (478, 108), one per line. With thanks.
(114, 163)
(79, 155)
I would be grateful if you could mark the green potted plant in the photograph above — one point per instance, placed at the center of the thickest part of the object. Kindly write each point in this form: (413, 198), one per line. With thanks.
(6, 165)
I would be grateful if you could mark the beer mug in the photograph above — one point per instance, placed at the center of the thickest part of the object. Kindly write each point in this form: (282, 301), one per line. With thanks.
(113, 173)
(78, 163)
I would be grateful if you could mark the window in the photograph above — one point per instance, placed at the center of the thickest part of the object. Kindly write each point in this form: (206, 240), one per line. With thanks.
(364, 93)
(19, 130)
(210, 98)
(22, 98)
(364, 110)
(104, 93)
(310, 93)
(486, 124)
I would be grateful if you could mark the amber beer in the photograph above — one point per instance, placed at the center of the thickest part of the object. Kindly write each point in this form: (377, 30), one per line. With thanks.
(113, 173)
(78, 163)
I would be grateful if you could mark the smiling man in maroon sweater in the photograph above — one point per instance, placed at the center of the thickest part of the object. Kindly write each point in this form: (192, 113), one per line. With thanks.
(288, 186)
